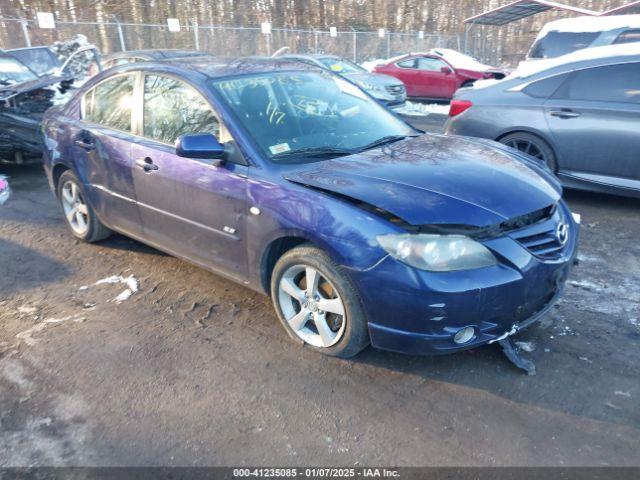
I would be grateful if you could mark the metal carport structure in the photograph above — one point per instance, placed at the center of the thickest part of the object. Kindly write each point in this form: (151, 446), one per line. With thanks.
(521, 9)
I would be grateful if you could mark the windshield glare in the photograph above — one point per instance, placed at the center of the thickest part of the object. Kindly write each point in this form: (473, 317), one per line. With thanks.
(291, 111)
(12, 71)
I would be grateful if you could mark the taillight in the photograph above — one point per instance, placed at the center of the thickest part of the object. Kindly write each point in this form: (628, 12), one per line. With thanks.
(459, 106)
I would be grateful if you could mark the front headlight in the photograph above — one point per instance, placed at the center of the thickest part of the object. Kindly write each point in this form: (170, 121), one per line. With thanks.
(437, 253)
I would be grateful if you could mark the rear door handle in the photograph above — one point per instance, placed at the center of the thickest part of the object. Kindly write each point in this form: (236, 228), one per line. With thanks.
(146, 164)
(564, 114)
(84, 145)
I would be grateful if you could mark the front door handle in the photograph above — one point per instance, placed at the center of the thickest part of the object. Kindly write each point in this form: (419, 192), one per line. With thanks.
(146, 164)
(84, 145)
(564, 114)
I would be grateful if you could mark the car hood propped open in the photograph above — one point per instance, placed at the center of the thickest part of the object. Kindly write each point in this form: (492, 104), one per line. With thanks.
(435, 179)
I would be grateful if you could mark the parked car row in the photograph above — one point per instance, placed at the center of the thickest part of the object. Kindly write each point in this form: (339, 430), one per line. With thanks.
(580, 114)
(289, 179)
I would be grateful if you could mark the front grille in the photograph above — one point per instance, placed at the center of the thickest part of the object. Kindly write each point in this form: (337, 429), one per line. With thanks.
(395, 89)
(541, 238)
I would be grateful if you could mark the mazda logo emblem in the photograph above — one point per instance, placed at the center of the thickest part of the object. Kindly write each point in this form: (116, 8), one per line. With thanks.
(562, 233)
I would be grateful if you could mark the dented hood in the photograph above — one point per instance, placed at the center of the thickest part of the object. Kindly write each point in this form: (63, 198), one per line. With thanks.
(434, 179)
(9, 91)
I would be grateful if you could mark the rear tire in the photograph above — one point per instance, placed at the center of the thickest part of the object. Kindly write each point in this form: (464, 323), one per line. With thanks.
(80, 218)
(317, 303)
(532, 145)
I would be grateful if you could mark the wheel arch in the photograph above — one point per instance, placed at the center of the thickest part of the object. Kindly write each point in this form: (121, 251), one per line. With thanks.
(280, 245)
(56, 172)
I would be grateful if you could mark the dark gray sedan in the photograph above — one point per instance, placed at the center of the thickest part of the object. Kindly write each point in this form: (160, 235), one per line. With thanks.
(582, 118)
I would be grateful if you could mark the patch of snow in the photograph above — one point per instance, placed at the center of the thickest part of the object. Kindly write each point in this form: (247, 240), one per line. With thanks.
(131, 282)
(590, 24)
(531, 67)
(622, 394)
(461, 60)
(5, 191)
(27, 310)
(586, 285)
(369, 65)
(526, 346)
(484, 82)
(27, 335)
(422, 109)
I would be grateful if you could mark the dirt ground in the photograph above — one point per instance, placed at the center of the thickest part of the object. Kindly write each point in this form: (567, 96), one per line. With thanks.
(195, 370)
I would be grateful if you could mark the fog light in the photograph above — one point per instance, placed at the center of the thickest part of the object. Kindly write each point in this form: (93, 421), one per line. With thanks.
(464, 335)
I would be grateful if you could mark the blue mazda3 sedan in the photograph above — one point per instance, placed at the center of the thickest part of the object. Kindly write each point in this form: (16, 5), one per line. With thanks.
(294, 182)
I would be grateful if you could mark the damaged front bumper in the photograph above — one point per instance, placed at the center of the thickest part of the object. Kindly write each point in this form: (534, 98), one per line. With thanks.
(418, 312)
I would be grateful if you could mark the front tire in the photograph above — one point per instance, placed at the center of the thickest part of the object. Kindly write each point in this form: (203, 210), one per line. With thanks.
(317, 303)
(80, 218)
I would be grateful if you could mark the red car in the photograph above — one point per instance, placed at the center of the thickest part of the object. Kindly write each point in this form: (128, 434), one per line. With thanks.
(438, 74)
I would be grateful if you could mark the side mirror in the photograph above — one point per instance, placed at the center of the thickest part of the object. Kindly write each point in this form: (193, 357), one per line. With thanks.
(446, 70)
(200, 145)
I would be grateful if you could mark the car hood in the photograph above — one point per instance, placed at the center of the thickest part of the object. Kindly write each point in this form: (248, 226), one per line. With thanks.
(376, 79)
(9, 91)
(434, 179)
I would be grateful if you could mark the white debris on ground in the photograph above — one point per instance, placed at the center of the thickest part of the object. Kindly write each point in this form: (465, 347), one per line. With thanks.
(586, 285)
(131, 282)
(423, 109)
(526, 346)
(27, 335)
(5, 191)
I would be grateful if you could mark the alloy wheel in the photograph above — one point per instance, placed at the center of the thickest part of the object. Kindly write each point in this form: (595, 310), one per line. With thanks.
(311, 306)
(75, 208)
(527, 147)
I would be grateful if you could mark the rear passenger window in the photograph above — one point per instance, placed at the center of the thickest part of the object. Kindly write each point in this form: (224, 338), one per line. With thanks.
(544, 88)
(173, 108)
(430, 64)
(629, 36)
(109, 103)
(613, 83)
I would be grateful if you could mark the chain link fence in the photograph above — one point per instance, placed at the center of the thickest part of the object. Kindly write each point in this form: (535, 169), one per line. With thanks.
(224, 40)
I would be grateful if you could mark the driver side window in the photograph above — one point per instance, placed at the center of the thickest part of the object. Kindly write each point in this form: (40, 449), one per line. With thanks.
(430, 64)
(172, 108)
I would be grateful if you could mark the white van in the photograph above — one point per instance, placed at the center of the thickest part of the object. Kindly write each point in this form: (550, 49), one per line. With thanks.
(565, 36)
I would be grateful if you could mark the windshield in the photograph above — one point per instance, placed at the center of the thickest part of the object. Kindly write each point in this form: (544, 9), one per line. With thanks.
(12, 71)
(340, 65)
(308, 112)
(40, 60)
(555, 44)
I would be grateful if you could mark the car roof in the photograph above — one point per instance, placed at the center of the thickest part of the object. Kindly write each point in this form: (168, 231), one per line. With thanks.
(155, 54)
(586, 57)
(38, 47)
(314, 56)
(218, 67)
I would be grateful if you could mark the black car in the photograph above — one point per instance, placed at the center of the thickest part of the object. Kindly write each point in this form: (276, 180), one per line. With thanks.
(27, 90)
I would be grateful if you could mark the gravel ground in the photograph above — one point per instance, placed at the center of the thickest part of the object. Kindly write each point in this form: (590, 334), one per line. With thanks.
(195, 370)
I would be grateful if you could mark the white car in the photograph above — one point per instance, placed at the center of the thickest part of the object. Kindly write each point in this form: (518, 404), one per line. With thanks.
(562, 37)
